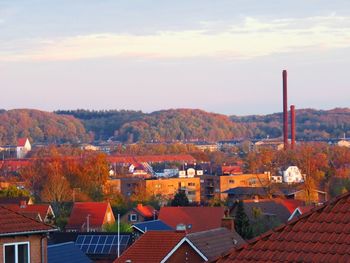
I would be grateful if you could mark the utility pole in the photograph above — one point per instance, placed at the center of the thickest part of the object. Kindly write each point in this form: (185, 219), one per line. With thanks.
(118, 235)
(88, 223)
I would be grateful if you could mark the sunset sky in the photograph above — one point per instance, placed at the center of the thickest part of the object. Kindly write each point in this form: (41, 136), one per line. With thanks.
(223, 56)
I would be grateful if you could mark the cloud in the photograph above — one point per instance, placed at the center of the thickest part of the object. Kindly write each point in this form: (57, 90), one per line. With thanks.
(246, 39)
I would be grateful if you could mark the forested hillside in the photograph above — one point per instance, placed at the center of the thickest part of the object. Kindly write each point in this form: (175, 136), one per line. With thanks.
(165, 125)
(40, 126)
(310, 124)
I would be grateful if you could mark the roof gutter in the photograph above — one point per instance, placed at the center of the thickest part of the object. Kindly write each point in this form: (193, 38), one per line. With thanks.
(28, 232)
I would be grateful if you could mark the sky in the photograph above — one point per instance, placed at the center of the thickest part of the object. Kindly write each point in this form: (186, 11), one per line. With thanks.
(223, 56)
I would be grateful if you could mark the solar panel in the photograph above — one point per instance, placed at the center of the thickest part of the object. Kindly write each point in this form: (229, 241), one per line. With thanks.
(102, 244)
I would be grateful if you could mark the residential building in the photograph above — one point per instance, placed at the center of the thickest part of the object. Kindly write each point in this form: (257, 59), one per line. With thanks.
(140, 213)
(242, 180)
(126, 186)
(153, 225)
(162, 246)
(292, 175)
(22, 239)
(23, 147)
(43, 212)
(213, 243)
(195, 219)
(168, 187)
(90, 217)
(320, 235)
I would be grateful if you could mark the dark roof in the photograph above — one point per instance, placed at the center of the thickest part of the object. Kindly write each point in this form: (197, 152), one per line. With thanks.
(195, 218)
(154, 225)
(213, 243)
(280, 208)
(66, 252)
(321, 235)
(12, 223)
(246, 191)
(14, 200)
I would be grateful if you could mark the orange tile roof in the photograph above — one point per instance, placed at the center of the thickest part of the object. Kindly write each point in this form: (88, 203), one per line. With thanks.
(195, 218)
(81, 210)
(153, 246)
(12, 223)
(133, 159)
(145, 210)
(21, 142)
(41, 209)
(321, 235)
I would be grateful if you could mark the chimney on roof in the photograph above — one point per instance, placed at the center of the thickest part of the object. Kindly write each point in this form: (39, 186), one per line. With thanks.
(181, 228)
(228, 221)
(285, 110)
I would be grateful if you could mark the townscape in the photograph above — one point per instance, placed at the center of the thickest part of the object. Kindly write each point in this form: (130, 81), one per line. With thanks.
(174, 131)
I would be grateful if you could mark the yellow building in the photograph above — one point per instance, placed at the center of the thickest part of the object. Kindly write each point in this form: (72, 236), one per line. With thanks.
(168, 187)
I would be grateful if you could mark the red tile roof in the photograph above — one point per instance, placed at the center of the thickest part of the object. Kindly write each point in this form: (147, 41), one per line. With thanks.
(321, 235)
(21, 142)
(133, 159)
(12, 223)
(232, 169)
(153, 246)
(145, 210)
(41, 209)
(80, 212)
(195, 218)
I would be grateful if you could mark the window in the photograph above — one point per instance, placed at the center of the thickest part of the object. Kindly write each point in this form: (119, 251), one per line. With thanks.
(16, 253)
(133, 217)
(231, 181)
(191, 184)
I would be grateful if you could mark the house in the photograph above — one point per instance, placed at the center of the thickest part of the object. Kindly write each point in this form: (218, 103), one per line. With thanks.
(292, 175)
(90, 216)
(139, 213)
(195, 219)
(41, 212)
(23, 147)
(300, 210)
(162, 246)
(277, 210)
(344, 143)
(153, 225)
(168, 187)
(215, 242)
(320, 235)
(22, 239)
(24, 200)
(66, 252)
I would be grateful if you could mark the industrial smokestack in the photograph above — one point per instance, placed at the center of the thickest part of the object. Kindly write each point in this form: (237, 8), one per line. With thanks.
(292, 126)
(285, 110)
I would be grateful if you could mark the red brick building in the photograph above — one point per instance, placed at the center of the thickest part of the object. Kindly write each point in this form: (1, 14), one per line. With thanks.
(22, 239)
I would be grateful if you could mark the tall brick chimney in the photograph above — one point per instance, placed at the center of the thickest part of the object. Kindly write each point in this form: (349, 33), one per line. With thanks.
(285, 110)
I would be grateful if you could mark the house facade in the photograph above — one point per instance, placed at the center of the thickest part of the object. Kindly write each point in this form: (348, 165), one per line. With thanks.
(23, 147)
(292, 175)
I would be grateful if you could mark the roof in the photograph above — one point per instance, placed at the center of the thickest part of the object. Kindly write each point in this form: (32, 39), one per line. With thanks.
(66, 252)
(213, 243)
(232, 169)
(322, 234)
(145, 210)
(133, 159)
(81, 210)
(41, 209)
(195, 218)
(280, 208)
(14, 200)
(154, 225)
(155, 246)
(21, 142)
(12, 223)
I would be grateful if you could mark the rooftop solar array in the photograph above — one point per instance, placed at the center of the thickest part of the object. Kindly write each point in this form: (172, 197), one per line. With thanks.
(102, 244)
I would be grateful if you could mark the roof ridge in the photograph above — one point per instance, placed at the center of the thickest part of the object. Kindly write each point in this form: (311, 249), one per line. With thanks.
(292, 222)
(27, 217)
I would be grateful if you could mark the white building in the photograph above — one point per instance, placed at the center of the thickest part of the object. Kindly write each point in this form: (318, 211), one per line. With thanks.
(23, 147)
(292, 175)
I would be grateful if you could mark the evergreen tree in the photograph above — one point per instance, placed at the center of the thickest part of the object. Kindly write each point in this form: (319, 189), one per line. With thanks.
(242, 225)
(180, 199)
